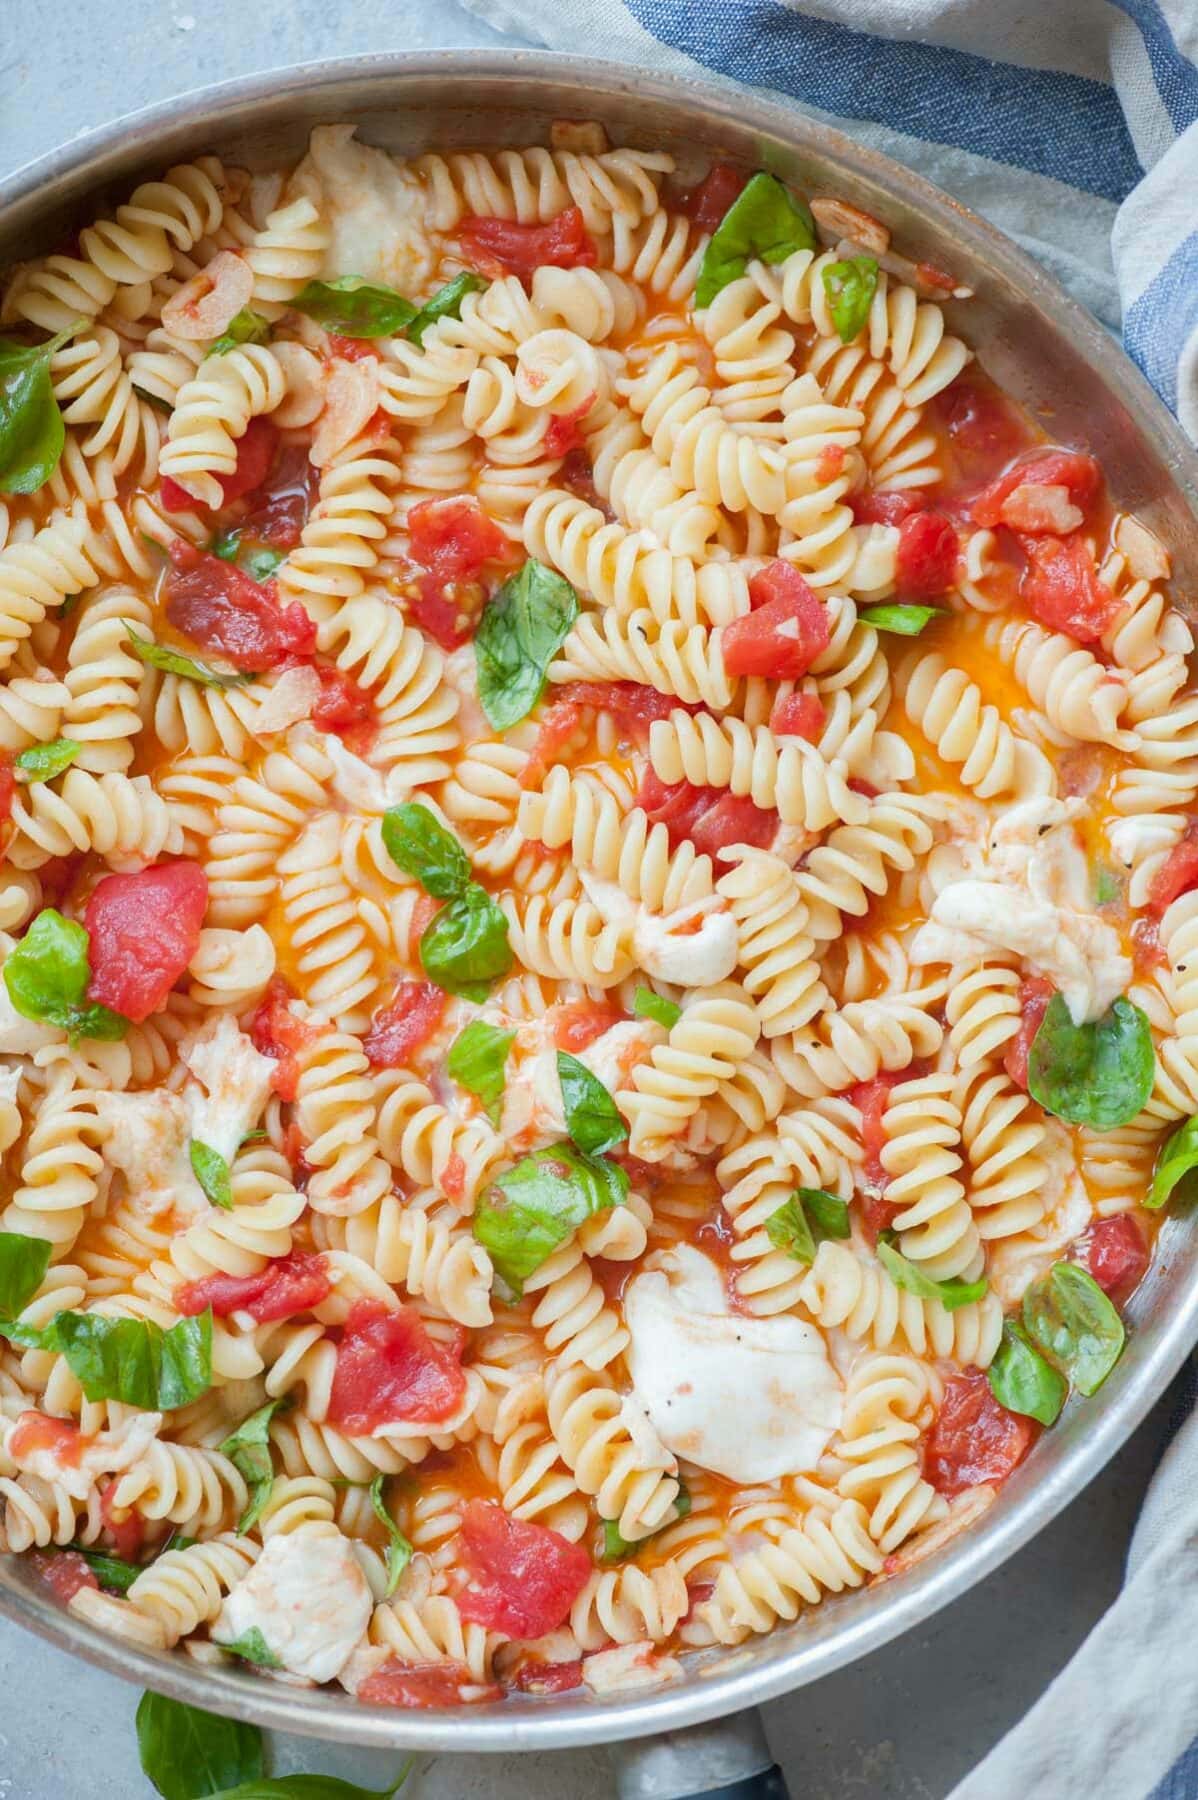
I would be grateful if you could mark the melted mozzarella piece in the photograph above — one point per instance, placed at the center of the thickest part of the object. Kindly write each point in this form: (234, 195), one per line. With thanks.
(363, 787)
(20, 1036)
(308, 1597)
(147, 1140)
(237, 1080)
(695, 946)
(749, 1399)
(373, 208)
(107, 1453)
(532, 1099)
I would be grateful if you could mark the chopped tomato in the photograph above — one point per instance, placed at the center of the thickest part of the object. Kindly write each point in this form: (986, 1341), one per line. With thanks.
(698, 1593)
(577, 1023)
(1061, 588)
(344, 708)
(425, 1685)
(633, 704)
(787, 630)
(706, 204)
(453, 538)
(1034, 994)
(578, 475)
(353, 349)
(878, 1215)
(406, 1023)
(125, 1526)
(562, 433)
(290, 1284)
(389, 1370)
(877, 507)
(1146, 948)
(40, 1431)
(871, 1098)
(547, 1677)
(978, 418)
(281, 505)
(449, 612)
(1078, 473)
(143, 930)
(1177, 875)
(927, 556)
(933, 277)
(829, 462)
(255, 454)
(219, 606)
(799, 715)
(1118, 1255)
(974, 1439)
(504, 247)
(521, 1579)
(453, 1177)
(8, 785)
(276, 1032)
(65, 1571)
(710, 817)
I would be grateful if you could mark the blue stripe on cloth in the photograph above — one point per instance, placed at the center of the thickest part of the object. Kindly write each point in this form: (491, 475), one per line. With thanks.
(1181, 1783)
(1175, 76)
(1053, 124)
(1158, 326)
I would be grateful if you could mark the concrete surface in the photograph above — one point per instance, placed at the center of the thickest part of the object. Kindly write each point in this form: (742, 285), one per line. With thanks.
(906, 1723)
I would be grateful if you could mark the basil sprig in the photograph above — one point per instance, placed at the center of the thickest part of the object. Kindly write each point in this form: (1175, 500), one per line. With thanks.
(353, 307)
(186, 1752)
(1022, 1380)
(420, 845)
(399, 1550)
(1068, 1317)
(47, 973)
(173, 662)
(765, 223)
(248, 1449)
(32, 433)
(252, 1647)
(592, 1117)
(902, 617)
(212, 1172)
(134, 1360)
(476, 1061)
(850, 287)
(1098, 1073)
(465, 947)
(1178, 1157)
(522, 628)
(43, 762)
(533, 1207)
(446, 303)
(805, 1220)
(648, 1005)
(908, 1275)
(23, 1264)
(616, 1546)
(245, 327)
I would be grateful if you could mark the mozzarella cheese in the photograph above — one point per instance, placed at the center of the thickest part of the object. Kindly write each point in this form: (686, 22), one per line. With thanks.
(362, 787)
(373, 208)
(237, 1080)
(308, 1597)
(147, 1139)
(532, 1099)
(107, 1453)
(20, 1036)
(749, 1399)
(668, 946)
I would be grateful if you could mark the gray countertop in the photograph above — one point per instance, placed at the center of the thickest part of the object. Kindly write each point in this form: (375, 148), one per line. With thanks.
(906, 1723)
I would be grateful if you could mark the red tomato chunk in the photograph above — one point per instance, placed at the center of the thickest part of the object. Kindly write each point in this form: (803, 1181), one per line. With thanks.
(1060, 587)
(521, 1579)
(1034, 995)
(786, 632)
(1118, 1255)
(578, 1023)
(872, 507)
(36, 1431)
(404, 1025)
(218, 606)
(548, 1678)
(563, 434)
(1078, 474)
(276, 1032)
(124, 1526)
(65, 1571)
(425, 1685)
(290, 1284)
(1177, 875)
(710, 817)
(390, 1369)
(454, 538)
(927, 556)
(255, 454)
(706, 204)
(799, 715)
(143, 931)
(974, 1439)
(978, 419)
(344, 708)
(501, 246)
(8, 784)
(871, 1098)
(282, 504)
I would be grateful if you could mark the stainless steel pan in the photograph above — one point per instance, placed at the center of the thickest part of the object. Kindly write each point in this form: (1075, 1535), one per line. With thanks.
(1040, 345)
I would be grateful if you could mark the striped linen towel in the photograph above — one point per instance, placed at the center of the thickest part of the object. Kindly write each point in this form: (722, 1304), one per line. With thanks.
(1073, 125)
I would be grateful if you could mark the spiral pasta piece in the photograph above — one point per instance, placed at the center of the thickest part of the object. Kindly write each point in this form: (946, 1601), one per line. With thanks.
(889, 1400)
(212, 411)
(791, 777)
(717, 1029)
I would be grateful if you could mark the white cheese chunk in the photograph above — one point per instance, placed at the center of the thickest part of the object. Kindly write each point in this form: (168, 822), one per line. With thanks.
(107, 1453)
(20, 1036)
(372, 205)
(232, 1085)
(308, 1597)
(359, 784)
(147, 1140)
(750, 1399)
(668, 947)
(629, 1668)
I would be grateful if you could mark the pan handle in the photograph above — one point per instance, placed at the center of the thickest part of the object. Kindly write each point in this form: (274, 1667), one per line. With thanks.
(728, 1759)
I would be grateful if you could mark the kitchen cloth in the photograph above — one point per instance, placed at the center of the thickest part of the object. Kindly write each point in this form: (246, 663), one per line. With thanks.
(1073, 126)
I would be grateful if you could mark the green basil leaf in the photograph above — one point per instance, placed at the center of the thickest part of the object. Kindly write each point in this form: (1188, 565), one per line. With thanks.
(616, 1546)
(765, 223)
(828, 1214)
(245, 327)
(47, 973)
(260, 563)
(248, 1449)
(28, 1337)
(419, 844)
(648, 1005)
(899, 616)
(226, 545)
(522, 1217)
(32, 433)
(111, 1572)
(1178, 1157)
(850, 287)
(42, 762)
(23, 1264)
(466, 946)
(135, 1361)
(252, 1647)
(1099, 1073)
(312, 1787)
(477, 1060)
(187, 1753)
(446, 303)
(399, 1551)
(353, 307)
(1108, 886)
(805, 1220)
(908, 1275)
(1069, 1317)
(212, 1172)
(173, 662)
(592, 1116)
(1022, 1381)
(522, 628)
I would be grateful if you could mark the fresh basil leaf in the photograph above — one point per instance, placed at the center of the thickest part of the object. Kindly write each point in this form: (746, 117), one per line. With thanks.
(648, 1005)
(252, 1647)
(765, 223)
(135, 1361)
(522, 1217)
(111, 1572)
(1022, 1381)
(420, 845)
(248, 1449)
(47, 973)
(1069, 1317)
(353, 307)
(212, 1172)
(899, 616)
(187, 1753)
(592, 1116)
(850, 287)
(312, 1787)
(1098, 1073)
(616, 1546)
(909, 1276)
(477, 1060)
(466, 947)
(42, 762)
(828, 1214)
(522, 628)
(805, 1220)
(399, 1551)
(23, 1264)
(27, 1337)
(173, 662)
(261, 562)
(1107, 885)
(1178, 1157)
(226, 545)
(32, 433)
(446, 303)
(245, 327)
